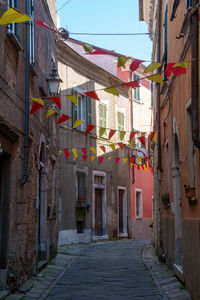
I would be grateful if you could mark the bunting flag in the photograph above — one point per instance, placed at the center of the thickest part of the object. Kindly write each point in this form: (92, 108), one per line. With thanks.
(135, 64)
(113, 91)
(122, 135)
(38, 100)
(132, 134)
(131, 143)
(153, 66)
(182, 64)
(56, 100)
(157, 78)
(74, 151)
(168, 69)
(67, 154)
(84, 151)
(132, 159)
(103, 148)
(73, 99)
(60, 152)
(93, 149)
(109, 158)
(88, 48)
(178, 71)
(125, 160)
(35, 107)
(143, 133)
(41, 23)
(121, 146)
(77, 123)
(139, 160)
(101, 131)
(112, 132)
(63, 119)
(12, 15)
(50, 112)
(99, 51)
(89, 128)
(84, 157)
(142, 140)
(151, 170)
(138, 167)
(133, 84)
(122, 61)
(132, 165)
(117, 159)
(152, 135)
(112, 146)
(101, 159)
(92, 158)
(93, 95)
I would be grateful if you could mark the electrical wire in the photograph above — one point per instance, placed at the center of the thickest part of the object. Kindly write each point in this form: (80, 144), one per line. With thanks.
(103, 34)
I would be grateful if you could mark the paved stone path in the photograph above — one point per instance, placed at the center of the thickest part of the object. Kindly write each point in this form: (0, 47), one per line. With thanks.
(114, 270)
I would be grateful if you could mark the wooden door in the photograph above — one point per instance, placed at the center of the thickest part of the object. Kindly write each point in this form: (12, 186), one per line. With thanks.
(120, 211)
(98, 212)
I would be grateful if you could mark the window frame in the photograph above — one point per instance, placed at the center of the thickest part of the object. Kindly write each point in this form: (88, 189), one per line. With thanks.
(103, 105)
(118, 125)
(140, 216)
(13, 28)
(136, 91)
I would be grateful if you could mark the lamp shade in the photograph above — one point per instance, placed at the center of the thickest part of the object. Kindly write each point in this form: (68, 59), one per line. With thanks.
(54, 81)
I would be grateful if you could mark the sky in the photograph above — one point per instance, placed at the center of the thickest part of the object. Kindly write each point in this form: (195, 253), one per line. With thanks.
(107, 16)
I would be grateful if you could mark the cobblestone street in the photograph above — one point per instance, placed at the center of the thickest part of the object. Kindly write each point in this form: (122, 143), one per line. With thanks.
(106, 270)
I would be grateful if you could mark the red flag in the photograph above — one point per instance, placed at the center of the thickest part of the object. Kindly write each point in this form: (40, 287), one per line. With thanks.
(142, 139)
(35, 107)
(146, 158)
(103, 148)
(178, 71)
(41, 23)
(152, 134)
(89, 128)
(112, 132)
(93, 95)
(151, 170)
(99, 51)
(84, 151)
(138, 167)
(121, 145)
(101, 158)
(133, 84)
(132, 134)
(135, 64)
(117, 159)
(84, 157)
(56, 100)
(132, 159)
(67, 154)
(168, 69)
(62, 119)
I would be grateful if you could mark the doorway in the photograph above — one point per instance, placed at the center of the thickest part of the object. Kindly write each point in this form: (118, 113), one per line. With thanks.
(122, 214)
(98, 229)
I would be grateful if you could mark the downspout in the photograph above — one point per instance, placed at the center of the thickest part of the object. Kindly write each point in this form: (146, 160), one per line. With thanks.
(195, 76)
(26, 135)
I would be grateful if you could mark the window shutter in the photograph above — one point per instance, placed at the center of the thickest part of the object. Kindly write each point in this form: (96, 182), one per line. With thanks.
(89, 110)
(74, 110)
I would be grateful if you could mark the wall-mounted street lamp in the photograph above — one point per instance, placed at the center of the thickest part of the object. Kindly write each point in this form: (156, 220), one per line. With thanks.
(54, 81)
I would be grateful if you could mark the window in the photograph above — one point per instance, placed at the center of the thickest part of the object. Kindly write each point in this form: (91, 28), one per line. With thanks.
(83, 112)
(81, 185)
(167, 167)
(188, 3)
(136, 91)
(13, 27)
(120, 121)
(138, 204)
(80, 202)
(31, 14)
(103, 117)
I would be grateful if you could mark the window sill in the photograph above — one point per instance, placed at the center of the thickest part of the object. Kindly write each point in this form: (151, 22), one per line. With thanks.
(14, 41)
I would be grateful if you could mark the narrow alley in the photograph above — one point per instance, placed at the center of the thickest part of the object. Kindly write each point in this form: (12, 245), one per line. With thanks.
(122, 269)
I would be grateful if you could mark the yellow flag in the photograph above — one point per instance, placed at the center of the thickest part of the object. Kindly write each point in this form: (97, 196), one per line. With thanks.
(139, 159)
(132, 165)
(50, 112)
(131, 144)
(73, 99)
(125, 160)
(92, 158)
(113, 91)
(121, 61)
(38, 100)
(112, 146)
(183, 64)
(109, 158)
(143, 133)
(93, 149)
(154, 138)
(157, 78)
(88, 48)
(141, 168)
(152, 67)
(122, 135)
(77, 123)
(13, 15)
(60, 152)
(74, 151)
(101, 131)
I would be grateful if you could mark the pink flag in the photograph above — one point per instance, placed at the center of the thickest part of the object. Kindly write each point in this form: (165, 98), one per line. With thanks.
(89, 128)
(56, 100)
(117, 159)
(93, 95)
(101, 158)
(121, 145)
(62, 119)
(67, 154)
(35, 107)
(135, 64)
(103, 148)
(112, 132)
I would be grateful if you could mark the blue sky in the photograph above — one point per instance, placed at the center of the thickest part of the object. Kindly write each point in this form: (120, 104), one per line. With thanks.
(107, 16)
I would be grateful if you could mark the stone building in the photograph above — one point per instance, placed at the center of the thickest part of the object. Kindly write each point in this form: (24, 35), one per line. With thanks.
(94, 195)
(28, 146)
(176, 169)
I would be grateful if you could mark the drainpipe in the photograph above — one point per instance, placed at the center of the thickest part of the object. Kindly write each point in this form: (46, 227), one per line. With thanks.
(195, 76)
(26, 135)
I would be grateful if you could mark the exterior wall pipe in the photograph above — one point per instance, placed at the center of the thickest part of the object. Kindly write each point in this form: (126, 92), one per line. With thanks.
(26, 135)
(195, 76)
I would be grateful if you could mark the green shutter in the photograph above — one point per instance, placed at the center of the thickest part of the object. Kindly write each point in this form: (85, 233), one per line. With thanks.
(89, 110)
(74, 110)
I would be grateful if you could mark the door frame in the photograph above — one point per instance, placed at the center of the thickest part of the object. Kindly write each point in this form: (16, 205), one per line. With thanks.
(125, 215)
